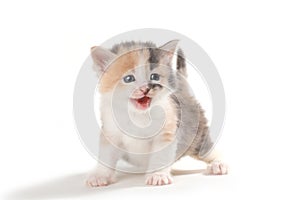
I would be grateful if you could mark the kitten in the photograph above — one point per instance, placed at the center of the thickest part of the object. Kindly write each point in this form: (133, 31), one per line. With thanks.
(136, 77)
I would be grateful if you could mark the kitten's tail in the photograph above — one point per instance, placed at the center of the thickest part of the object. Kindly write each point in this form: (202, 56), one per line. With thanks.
(181, 65)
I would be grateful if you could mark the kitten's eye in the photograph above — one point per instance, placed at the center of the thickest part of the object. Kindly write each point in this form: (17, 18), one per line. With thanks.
(128, 78)
(154, 77)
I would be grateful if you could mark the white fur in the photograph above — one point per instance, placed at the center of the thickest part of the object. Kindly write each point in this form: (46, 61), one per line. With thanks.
(103, 176)
(155, 161)
(140, 118)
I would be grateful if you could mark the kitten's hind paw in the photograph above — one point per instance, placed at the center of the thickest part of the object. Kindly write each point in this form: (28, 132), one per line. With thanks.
(216, 168)
(159, 178)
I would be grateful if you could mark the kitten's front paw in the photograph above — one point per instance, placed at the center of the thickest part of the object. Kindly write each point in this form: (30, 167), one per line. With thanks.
(159, 178)
(98, 180)
(216, 168)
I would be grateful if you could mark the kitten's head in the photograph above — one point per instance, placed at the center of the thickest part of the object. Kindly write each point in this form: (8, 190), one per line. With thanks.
(139, 73)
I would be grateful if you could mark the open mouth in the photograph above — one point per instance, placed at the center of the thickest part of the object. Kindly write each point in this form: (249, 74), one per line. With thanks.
(142, 103)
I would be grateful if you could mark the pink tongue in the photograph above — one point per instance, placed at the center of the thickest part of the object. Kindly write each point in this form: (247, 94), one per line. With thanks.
(144, 102)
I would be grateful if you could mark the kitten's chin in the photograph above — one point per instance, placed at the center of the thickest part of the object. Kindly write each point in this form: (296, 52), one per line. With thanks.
(141, 103)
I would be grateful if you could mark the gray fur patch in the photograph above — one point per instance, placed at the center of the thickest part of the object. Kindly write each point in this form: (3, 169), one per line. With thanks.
(131, 45)
(154, 58)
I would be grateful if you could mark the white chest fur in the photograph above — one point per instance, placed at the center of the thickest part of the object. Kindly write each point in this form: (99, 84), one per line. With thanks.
(120, 130)
(137, 147)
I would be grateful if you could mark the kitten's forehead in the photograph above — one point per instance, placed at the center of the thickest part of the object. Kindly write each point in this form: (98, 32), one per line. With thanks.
(122, 64)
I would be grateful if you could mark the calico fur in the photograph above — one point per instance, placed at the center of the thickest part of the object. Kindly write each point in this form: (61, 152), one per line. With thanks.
(185, 132)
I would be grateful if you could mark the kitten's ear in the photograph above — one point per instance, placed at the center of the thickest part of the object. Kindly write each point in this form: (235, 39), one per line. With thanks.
(101, 57)
(170, 47)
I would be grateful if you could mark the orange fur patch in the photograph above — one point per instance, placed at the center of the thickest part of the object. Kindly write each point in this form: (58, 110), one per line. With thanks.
(120, 66)
(170, 127)
(168, 137)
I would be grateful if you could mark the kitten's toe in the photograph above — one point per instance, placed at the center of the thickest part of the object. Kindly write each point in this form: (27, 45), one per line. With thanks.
(159, 179)
(216, 168)
(98, 180)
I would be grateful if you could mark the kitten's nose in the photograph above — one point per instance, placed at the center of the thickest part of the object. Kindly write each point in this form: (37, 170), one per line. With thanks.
(145, 89)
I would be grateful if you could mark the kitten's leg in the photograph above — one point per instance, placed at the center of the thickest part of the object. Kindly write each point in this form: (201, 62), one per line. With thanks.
(215, 164)
(104, 174)
(100, 176)
(209, 154)
(162, 160)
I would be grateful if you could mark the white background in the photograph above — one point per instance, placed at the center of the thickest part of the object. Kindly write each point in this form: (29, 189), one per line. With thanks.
(254, 44)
